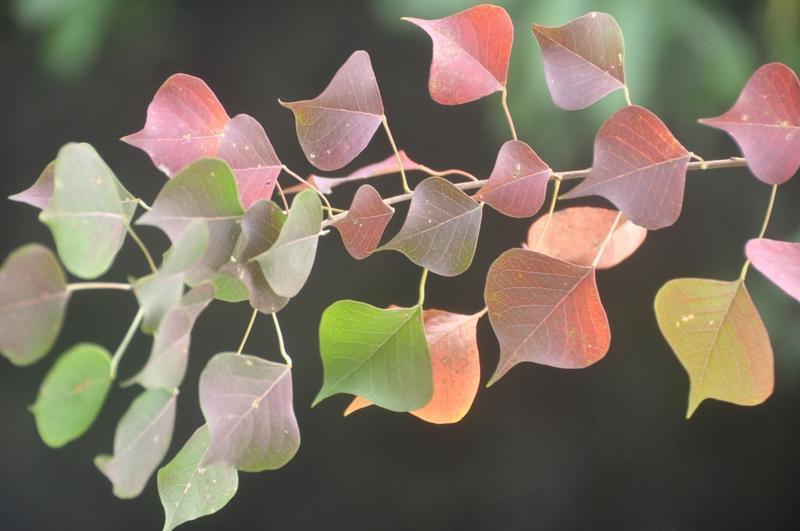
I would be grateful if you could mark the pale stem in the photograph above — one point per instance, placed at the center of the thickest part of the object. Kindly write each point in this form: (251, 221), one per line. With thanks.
(553, 201)
(422, 286)
(627, 94)
(442, 173)
(605, 243)
(137, 320)
(396, 154)
(283, 197)
(763, 230)
(79, 286)
(482, 312)
(145, 252)
(247, 331)
(281, 344)
(504, 102)
(143, 204)
(304, 181)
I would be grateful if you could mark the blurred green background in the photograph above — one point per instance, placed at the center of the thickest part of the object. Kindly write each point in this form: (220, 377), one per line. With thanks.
(606, 447)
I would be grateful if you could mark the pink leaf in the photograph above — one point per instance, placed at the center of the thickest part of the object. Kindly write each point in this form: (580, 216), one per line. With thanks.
(337, 125)
(471, 50)
(363, 226)
(639, 166)
(778, 261)
(583, 59)
(518, 182)
(384, 167)
(765, 122)
(40, 192)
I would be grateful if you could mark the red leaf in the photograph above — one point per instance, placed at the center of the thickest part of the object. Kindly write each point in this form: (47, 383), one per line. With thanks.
(583, 59)
(546, 311)
(765, 122)
(518, 182)
(363, 226)
(778, 261)
(471, 50)
(639, 166)
(337, 125)
(384, 167)
(575, 235)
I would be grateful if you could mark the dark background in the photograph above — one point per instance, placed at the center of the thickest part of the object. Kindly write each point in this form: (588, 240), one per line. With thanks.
(604, 447)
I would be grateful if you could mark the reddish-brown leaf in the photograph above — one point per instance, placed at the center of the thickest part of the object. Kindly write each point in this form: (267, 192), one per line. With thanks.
(638, 166)
(765, 122)
(518, 182)
(583, 59)
(363, 226)
(337, 125)
(545, 310)
(778, 261)
(471, 50)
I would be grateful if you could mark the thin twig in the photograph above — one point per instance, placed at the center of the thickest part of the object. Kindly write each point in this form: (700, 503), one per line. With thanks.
(310, 185)
(79, 286)
(553, 201)
(504, 102)
(396, 154)
(125, 342)
(763, 230)
(281, 344)
(283, 197)
(247, 331)
(143, 247)
(607, 240)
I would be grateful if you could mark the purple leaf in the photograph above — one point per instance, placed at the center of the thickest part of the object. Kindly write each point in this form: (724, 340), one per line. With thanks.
(39, 194)
(778, 261)
(363, 226)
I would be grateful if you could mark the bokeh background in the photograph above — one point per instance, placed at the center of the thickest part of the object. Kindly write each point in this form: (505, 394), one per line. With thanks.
(605, 447)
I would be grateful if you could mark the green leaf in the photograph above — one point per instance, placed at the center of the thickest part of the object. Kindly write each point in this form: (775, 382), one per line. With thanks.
(33, 299)
(288, 262)
(72, 394)
(229, 289)
(189, 488)
(380, 355)
(441, 229)
(89, 212)
(140, 442)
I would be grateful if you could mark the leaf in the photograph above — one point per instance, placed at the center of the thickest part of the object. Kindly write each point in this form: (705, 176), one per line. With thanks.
(719, 338)
(363, 225)
(185, 122)
(583, 59)
(455, 365)
(778, 261)
(140, 442)
(33, 299)
(247, 403)
(39, 194)
(765, 123)
(166, 366)
(471, 51)
(159, 292)
(337, 125)
(638, 166)
(546, 311)
(576, 234)
(89, 211)
(288, 262)
(229, 289)
(441, 229)
(72, 394)
(246, 147)
(518, 182)
(381, 355)
(205, 190)
(189, 487)
(385, 167)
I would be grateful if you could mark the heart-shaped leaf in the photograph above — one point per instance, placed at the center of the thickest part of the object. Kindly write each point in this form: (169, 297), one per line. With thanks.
(639, 166)
(545, 310)
(778, 261)
(89, 211)
(247, 403)
(363, 226)
(140, 442)
(471, 50)
(576, 234)
(518, 182)
(719, 338)
(337, 125)
(72, 394)
(385, 167)
(381, 355)
(39, 194)
(288, 262)
(189, 487)
(765, 123)
(583, 59)
(185, 122)
(441, 229)
(33, 299)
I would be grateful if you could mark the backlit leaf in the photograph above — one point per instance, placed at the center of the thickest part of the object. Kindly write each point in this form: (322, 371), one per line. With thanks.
(583, 59)
(576, 234)
(189, 487)
(381, 355)
(765, 123)
(33, 298)
(638, 166)
(545, 310)
(140, 442)
(518, 182)
(39, 194)
(363, 226)
(72, 394)
(471, 50)
(778, 261)
(247, 403)
(337, 125)
(441, 229)
(719, 338)
(385, 167)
